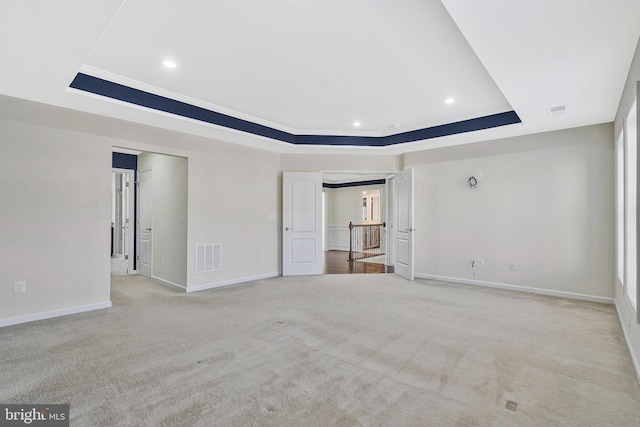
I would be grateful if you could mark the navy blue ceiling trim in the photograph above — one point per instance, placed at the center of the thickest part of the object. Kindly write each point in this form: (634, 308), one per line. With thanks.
(124, 161)
(120, 92)
(354, 184)
(479, 123)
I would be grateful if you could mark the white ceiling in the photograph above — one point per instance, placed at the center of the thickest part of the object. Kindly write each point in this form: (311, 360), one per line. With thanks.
(316, 66)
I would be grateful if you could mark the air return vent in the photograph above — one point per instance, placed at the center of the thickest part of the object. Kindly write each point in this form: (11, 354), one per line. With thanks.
(208, 258)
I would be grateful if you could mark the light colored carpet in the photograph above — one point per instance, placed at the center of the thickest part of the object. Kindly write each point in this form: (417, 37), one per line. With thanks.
(334, 350)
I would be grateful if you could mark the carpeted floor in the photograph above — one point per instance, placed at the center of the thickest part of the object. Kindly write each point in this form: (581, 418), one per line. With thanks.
(335, 350)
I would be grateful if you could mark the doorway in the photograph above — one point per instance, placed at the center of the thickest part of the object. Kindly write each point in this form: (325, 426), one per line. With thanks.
(335, 230)
(371, 212)
(157, 223)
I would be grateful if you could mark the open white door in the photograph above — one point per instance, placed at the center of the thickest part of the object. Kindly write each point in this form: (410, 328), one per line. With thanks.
(122, 211)
(302, 223)
(403, 233)
(144, 222)
(128, 198)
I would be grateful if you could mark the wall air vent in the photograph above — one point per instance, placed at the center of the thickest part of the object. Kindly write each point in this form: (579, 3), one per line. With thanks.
(557, 110)
(208, 258)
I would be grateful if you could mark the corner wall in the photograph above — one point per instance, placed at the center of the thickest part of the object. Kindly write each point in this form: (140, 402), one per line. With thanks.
(544, 202)
(628, 318)
(56, 208)
(235, 200)
(169, 216)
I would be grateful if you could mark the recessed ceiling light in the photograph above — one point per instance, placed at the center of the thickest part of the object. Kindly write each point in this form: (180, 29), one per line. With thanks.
(449, 101)
(169, 64)
(395, 125)
(356, 124)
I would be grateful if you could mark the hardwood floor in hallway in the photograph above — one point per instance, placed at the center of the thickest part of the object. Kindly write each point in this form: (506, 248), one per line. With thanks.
(337, 262)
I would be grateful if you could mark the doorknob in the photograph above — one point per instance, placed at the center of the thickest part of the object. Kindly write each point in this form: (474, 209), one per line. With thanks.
(287, 229)
(148, 229)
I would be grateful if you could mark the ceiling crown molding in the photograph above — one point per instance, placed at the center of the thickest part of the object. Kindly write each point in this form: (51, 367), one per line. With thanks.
(140, 97)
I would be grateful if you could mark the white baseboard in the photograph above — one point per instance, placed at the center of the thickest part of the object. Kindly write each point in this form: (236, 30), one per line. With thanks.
(634, 358)
(231, 282)
(166, 282)
(338, 248)
(56, 313)
(517, 288)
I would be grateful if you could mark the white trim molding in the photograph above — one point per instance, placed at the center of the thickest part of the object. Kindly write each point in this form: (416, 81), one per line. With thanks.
(237, 281)
(634, 358)
(55, 313)
(517, 288)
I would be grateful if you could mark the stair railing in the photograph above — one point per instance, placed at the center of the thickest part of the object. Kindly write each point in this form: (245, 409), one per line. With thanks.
(365, 240)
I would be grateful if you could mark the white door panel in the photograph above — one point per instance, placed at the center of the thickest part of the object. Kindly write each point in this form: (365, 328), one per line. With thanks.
(302, 223)
(303, 204)
(404, 230)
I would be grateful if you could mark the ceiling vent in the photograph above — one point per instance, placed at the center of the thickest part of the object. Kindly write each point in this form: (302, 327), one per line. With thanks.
(557, 110)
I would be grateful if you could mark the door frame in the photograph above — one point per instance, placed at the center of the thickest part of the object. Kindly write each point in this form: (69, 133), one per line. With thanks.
(391, 216)
(139, 228)
(130, 233)
(389, 205)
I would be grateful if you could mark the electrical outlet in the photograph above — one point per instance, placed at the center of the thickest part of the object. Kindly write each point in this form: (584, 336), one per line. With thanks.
(19, 287)
(513, 266)
(261, 257)
(162, 260)
(480, 262)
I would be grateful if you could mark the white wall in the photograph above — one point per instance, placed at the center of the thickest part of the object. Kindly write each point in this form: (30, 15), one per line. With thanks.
(341, 163)
(235, 200)
(55, 221)
(628, 318)
(344, 205)
(169, 216)
(545, 202)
